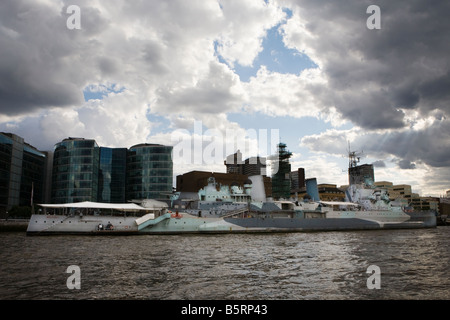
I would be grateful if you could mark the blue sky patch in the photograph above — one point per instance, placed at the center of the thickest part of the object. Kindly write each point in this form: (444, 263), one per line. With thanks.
(98, 92)
(290, 129)
(275, 56)
(160, 123)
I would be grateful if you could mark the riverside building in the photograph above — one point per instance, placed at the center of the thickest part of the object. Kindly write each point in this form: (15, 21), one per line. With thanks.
(22, 172)
(84, 171)
(75, 171)
(149, 171)
(112, 175)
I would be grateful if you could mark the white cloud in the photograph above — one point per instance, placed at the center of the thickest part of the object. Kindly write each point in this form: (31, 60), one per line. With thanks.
(277, 94)
(158, 59)
(417, 156)
(60, 123)
(324, 168)
(161, 54)
(245, 26)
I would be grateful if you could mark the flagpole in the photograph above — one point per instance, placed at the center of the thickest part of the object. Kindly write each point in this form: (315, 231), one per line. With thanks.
(32, 194)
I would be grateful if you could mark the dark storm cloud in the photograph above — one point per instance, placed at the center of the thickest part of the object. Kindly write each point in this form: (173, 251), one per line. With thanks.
(42, 62)
(437, 91)
(413, 44)
(374, 73)
(393, 83)
(429, 145)
(379, 164)
(26, 79)
(406, 164)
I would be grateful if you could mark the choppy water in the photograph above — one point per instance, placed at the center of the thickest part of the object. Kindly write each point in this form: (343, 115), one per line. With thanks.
(414, 264)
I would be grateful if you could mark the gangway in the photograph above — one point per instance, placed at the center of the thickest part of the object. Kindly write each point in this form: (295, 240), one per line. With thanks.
(148, 220)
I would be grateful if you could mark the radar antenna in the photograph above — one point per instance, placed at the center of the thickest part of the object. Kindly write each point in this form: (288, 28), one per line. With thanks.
(353, 157)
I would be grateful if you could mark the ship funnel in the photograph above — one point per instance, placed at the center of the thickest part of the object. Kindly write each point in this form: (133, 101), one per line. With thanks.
(311, 189)
(258, 192)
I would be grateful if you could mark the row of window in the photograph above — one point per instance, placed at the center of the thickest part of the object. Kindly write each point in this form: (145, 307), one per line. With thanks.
(76, 153)
(73, 168)
(144, 175)
(73, 160)
(74, 192)
(150, 150)
(163, 186)
(149, 158)
(150, 165)
(164, 172)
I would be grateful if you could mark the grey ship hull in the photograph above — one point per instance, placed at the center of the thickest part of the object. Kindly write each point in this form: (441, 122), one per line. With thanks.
(330, 224)
(190, 224)
(186, 223)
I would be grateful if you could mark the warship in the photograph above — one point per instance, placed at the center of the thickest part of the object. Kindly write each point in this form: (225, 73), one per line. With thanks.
(237, 209)
(232, 209)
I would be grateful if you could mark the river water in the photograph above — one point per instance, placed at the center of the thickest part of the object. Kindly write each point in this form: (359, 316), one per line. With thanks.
(413, 264)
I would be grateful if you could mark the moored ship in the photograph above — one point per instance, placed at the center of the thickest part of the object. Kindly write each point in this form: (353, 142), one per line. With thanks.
(93, 218)
(235, 209)
(369, 209)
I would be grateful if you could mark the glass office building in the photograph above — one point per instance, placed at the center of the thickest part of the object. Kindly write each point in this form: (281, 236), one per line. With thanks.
(32, 182)
(83, 171)
(22, 172)
(75, 171)
(149, 171)
(112, 175)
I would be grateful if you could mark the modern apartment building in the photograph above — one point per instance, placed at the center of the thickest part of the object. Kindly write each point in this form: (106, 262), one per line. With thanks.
(84, 171)
(149, 171)
(22, 172)
(112, 175)
(75, 171)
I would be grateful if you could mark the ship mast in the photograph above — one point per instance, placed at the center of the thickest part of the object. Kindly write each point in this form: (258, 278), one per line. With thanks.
(355, 172)
(353, 157)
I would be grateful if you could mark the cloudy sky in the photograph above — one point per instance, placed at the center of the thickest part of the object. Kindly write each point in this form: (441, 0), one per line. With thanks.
(201, 73)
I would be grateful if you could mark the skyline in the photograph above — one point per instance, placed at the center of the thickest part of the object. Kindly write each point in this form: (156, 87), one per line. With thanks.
(137, 72)
(353, 158)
